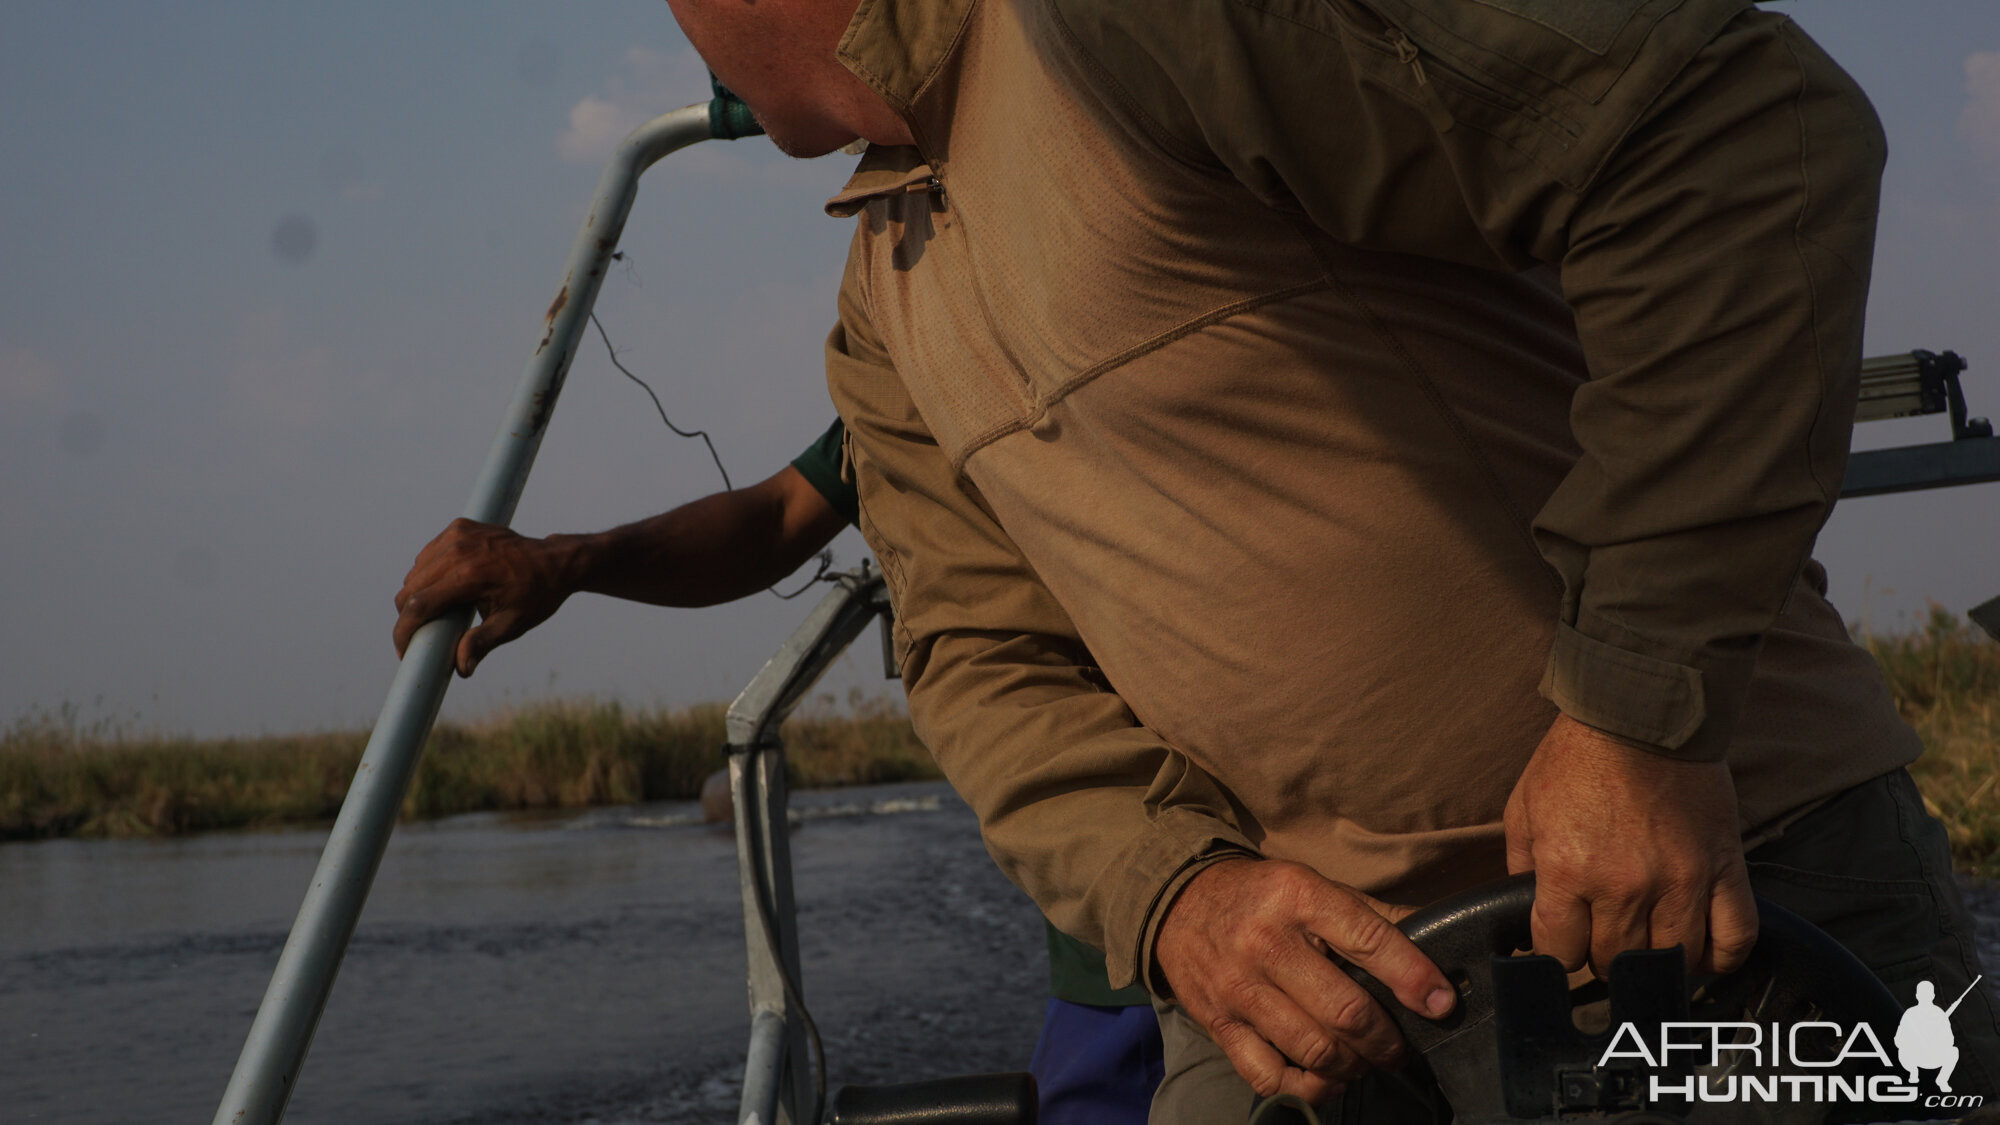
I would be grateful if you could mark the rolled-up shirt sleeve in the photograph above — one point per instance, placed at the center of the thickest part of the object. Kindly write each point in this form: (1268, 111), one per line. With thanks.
(1718, 268)
(1091, 813)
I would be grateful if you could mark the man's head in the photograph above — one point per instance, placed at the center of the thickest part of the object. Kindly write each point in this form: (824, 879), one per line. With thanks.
(1926, 992)
(778, 56)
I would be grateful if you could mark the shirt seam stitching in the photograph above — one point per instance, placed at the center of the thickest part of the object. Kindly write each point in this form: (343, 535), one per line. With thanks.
(1042, 403)
(1812, 295)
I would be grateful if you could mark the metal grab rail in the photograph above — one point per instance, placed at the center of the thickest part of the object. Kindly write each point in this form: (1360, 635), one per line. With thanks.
(1906, 385)
(775, 1087)
(267, 1071)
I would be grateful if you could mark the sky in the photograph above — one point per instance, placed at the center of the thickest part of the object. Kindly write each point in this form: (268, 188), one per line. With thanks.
(269, 274)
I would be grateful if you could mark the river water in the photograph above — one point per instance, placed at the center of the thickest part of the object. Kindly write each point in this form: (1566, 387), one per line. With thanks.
(581, 968)
(553, 970)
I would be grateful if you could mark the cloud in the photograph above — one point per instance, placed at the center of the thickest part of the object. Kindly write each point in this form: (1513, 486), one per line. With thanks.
(646, 84)
(1979, 121)
(595, 125)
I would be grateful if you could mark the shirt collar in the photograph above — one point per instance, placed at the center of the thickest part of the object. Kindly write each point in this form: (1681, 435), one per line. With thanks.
(898, 46)
(885, 170)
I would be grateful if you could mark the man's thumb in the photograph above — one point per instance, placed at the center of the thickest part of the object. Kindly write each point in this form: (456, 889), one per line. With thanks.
(473, 647)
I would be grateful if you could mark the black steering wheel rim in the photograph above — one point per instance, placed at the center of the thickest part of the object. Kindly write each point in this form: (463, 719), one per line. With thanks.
(1796, 972)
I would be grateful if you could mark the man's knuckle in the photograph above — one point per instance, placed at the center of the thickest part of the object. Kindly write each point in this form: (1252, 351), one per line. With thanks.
(1677, 896)
(1266, 944)
(1220, 1026)
(1734, 939)
(1621, 896)
(1366, 934)
(1259, 1067)
(1235, 990)
(1250, 1057)
(1318, 1090)
(1292, 885)
(1315, 1051)
(1558, 876)
(1387, 1054)
(1352, 1014)
(1686, 871)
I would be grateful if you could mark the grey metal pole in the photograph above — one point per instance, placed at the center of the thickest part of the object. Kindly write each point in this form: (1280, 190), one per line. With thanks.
(763, 1069)
(268, 1069)
(776, 1079)
(778, 1087)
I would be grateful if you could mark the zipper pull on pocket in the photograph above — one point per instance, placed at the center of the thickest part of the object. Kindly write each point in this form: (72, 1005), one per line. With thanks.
(1407, 54)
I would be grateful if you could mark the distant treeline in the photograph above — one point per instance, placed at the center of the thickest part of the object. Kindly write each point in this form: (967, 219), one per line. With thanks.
(58, 778)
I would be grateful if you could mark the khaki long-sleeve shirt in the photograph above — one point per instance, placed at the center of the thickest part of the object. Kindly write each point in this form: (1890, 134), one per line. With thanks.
(1268, 413)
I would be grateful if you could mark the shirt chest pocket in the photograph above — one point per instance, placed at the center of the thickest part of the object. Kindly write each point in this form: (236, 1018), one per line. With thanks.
(1534, 48)
(1558, 80)
(1592, 26)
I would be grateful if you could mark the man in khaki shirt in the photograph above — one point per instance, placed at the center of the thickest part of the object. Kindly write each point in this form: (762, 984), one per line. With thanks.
(1328, 453)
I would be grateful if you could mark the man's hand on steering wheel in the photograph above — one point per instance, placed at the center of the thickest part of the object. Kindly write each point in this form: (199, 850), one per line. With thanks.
(1245, 947)
(1630, 850)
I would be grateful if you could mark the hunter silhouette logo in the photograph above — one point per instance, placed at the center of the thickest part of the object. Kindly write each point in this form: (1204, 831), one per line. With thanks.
(1924, 1040)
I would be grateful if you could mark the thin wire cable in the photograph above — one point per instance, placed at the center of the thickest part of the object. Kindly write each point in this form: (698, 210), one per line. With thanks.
(702, 434)
(825, 556)
(825, 564)
(761, 889)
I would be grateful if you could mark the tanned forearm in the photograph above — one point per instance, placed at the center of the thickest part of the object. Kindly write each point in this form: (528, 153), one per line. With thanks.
(712, 550)
(705, 552)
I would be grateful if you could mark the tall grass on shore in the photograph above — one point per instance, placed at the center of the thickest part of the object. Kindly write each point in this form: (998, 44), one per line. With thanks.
(61, 778)
(1946, 680)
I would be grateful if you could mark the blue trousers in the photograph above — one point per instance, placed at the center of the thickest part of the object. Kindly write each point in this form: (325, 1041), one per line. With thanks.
(1097, 1066)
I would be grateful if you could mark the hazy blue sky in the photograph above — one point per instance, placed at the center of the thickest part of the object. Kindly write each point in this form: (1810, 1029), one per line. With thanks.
(269, 273)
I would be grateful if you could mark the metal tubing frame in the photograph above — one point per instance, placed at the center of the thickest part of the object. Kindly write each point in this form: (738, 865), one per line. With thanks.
(1910, 468)
(267, 1070)
(764, 1069)
(775, 1088)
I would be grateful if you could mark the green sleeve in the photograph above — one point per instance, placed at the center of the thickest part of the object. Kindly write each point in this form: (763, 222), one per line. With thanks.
(820, 465)
(1077, 974)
